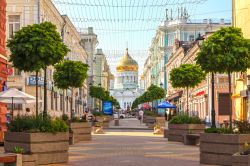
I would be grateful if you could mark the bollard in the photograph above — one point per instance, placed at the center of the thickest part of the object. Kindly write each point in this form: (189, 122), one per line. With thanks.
(116, 122)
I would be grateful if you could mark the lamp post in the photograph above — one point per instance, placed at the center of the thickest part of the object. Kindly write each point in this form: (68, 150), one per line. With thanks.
(199, 40)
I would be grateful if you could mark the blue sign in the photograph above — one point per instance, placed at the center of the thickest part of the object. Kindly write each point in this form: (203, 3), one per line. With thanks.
(32, 81)
(107, 107)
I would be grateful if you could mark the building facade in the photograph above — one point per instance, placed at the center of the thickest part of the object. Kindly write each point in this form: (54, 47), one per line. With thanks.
(21, 13)
(5, 70)
(241, 96)
(175, 44)
(89, 42)
(199, 98)
(126, 86)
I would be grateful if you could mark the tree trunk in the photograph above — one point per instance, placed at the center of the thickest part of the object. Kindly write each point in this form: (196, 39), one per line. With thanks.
(187, 103)
(230, 100)
(213, 110)
(45, 93)
(63, 103)
(71, 103)
(37, 93)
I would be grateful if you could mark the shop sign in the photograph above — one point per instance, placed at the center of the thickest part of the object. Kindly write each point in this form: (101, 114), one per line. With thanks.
(32, 81)
(200, 93)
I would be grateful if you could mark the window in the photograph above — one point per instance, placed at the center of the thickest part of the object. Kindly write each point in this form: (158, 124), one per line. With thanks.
(17, 72)
(14, 24)
(191, 37)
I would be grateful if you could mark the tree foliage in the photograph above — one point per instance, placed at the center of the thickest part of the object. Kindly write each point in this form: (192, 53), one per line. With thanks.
(70, 74)
(153, 93)
(100, 93)
(36, 46)
(186, 76)
(225, 51)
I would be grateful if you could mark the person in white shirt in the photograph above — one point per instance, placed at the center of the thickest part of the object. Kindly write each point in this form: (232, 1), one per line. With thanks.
(141, 116)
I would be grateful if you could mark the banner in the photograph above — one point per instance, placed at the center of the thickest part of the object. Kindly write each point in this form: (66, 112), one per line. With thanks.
(107, 107)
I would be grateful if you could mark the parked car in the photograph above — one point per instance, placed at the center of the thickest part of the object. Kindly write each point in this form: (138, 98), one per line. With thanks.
(121, 116)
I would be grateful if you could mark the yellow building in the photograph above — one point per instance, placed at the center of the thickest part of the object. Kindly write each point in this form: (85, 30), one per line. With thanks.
(241, 19)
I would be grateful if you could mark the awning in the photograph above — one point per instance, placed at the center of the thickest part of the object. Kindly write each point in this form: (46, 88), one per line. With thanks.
(174, 95)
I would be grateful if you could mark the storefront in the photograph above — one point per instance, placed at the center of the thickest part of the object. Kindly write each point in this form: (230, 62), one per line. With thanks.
(176, 100)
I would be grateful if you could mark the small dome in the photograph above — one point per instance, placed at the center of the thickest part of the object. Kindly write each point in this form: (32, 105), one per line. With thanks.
(127, 63)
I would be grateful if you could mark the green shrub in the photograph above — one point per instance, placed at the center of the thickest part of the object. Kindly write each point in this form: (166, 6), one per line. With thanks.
(239, 127)
(65, 117)
(34, 124)
(77, 119)
(185, 119)
(97, 113)
(18, 150)
(149, 113)
(219, 130)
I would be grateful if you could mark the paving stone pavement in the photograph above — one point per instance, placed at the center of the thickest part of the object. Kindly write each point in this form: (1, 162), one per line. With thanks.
(137, 148)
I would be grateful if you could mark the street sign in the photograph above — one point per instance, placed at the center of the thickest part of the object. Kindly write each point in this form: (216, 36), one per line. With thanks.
(32, 81)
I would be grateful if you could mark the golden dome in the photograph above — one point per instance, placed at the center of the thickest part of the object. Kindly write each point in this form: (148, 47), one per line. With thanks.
(127, 63)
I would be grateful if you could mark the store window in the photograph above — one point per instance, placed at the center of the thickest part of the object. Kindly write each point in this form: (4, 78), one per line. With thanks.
(14, 24)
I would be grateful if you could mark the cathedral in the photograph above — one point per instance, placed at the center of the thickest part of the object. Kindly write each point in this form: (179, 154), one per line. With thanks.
(126, 88)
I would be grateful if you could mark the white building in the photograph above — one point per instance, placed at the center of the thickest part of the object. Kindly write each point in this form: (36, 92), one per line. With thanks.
(126, 88)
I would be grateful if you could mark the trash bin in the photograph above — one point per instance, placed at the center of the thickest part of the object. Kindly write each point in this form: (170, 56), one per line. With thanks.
(116, 122)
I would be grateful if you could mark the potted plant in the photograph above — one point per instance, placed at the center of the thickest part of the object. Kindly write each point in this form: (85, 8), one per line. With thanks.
(106, 120)
(79, 130)
(149, 117)
(217, 145)
(98, 128)
(99, 117)
(43, 137)
(183, 124)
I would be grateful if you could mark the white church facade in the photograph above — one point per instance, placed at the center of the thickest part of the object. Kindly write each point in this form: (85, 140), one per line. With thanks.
(126, 88)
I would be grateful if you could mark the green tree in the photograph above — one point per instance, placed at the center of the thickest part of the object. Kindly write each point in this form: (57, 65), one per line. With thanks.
(225, 51)
(186, 76)
(35, 47)
(70, 75)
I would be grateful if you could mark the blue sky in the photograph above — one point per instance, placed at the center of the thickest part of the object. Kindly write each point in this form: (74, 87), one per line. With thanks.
(133, 23)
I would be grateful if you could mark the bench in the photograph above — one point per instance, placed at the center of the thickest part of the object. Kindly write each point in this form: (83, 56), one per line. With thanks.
(9, 159)
(191, 139)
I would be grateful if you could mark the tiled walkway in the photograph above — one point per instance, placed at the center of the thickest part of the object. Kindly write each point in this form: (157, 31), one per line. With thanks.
(135, 148)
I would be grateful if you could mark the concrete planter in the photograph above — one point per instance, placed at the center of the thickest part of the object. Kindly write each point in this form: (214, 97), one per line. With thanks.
(29, 160)
(240, 160)
(81, 131)
(160, 121)
(49, 148)
(99, 118)
(176, 132)
(217, 149)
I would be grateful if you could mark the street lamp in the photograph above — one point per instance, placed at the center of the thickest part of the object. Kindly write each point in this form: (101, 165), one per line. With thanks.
(200, 40)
